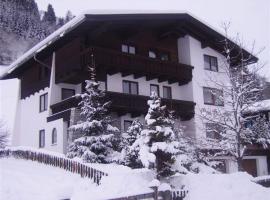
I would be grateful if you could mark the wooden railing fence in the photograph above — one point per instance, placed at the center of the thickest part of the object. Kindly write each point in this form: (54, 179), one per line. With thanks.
(56, 161)
(174, 195)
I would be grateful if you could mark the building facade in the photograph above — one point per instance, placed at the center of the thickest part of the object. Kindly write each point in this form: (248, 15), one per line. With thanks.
(134, 54)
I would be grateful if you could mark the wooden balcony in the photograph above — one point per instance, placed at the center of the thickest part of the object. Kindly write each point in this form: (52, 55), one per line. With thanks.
(109, 61)
(134, 104)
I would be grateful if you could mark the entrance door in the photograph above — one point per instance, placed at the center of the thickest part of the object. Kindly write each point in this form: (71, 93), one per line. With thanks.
(250, 166)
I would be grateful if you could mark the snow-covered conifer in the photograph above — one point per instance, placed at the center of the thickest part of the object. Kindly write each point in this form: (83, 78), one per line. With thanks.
(133, 132)
(130, 153)
(95, 127)
(157, 142)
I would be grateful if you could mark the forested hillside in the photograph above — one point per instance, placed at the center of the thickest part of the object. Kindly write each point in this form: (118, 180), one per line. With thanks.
(22, 25)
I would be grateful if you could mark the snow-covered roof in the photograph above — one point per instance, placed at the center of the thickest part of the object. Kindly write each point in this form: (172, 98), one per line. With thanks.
(80, 19)
(259, 106)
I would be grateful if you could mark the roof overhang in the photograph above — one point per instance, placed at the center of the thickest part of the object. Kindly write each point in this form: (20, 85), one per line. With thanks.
(176, 23)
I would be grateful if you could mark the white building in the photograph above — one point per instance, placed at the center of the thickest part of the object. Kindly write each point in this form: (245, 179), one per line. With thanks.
(173, 54)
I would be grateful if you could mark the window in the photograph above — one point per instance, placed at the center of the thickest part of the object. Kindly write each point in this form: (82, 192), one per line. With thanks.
(152, 54)
(128, 49)
(210, 63)
(167, 92)
(41, 138)
(66, 93)
(130, 87)
(154, 88)
(164, 56)
(54, 136)
(127, 124)
(213, 96)
(43, 102)
(213, 131)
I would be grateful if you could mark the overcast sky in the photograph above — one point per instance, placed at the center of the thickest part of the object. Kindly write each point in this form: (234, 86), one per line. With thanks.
(250, 18)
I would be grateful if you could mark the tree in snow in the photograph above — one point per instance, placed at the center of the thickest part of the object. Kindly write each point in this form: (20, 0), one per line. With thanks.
(69, 16)
(95, 145)
(157, 145)
(130, 153)
(49, 16)
(238, 91)
(3, 135)
(133, 132)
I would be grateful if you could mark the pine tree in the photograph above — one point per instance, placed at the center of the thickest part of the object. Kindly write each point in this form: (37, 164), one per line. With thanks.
(133, 132)
(69, 16)
(49, 16)
(95, 145)
(157, 144)
(130, 153)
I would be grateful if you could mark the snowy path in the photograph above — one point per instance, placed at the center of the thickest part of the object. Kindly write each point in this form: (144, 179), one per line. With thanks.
(27, 180)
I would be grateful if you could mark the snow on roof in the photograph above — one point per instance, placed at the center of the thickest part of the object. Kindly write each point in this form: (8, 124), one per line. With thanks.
(78, 20)
(259, 106)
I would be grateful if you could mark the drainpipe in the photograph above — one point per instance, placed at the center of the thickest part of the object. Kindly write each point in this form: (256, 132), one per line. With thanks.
(52, 88)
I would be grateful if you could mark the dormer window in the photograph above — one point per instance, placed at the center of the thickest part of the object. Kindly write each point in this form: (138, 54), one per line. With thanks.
(152, 54)
(128, 49)
(210, 63)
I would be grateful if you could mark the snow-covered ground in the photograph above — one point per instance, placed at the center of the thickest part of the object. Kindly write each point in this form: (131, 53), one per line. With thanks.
(237, 186)
(27, 180)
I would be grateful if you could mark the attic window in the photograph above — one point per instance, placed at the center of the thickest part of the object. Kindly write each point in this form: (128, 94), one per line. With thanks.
(128, 49)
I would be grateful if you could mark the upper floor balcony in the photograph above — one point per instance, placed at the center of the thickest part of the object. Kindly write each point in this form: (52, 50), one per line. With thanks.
(122, 104)
(73, 69)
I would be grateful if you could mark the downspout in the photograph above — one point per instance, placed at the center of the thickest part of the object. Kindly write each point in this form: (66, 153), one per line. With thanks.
(52, 86)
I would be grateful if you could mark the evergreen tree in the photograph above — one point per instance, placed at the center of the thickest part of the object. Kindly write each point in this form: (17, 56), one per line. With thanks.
(49, 16)
(69, 16)
(157, 143)
(133, 132)
(95, 144)
(130, 153)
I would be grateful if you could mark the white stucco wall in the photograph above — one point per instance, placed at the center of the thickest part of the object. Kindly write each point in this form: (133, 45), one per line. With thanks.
(190, 52)
(31, 121)
(114, 84)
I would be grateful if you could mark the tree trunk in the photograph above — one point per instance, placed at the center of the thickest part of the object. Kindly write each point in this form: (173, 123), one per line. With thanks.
(239, 164)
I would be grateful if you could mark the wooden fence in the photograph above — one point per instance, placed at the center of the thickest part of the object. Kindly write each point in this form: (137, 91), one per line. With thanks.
(173, 195)
(56, 161)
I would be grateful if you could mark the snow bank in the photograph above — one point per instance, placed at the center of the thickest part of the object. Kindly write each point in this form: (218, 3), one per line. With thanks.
(237, 186)
(117, 184)
(27, 180)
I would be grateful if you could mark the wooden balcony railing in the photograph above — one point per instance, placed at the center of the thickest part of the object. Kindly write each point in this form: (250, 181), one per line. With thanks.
(109, 61)
(134, 104)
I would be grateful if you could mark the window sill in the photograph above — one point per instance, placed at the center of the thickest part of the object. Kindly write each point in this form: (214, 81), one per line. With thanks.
(209, 104)
(211, 70)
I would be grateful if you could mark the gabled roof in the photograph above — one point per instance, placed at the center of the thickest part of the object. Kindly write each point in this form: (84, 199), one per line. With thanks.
(205, 32)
